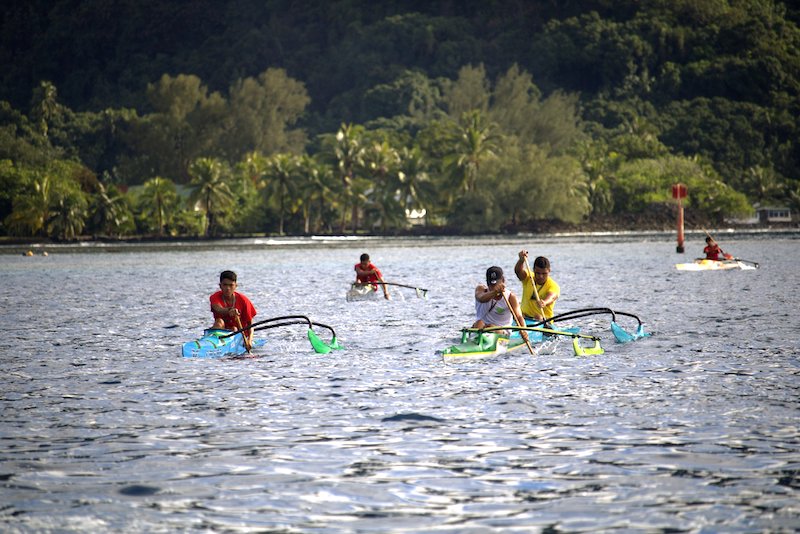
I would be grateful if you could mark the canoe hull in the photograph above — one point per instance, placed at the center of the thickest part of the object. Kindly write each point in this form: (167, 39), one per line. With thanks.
(488, 344)
(213, 345)
(714, 265)
(368, 292)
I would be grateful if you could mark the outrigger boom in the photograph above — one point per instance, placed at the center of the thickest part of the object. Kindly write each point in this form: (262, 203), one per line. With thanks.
(316, 342)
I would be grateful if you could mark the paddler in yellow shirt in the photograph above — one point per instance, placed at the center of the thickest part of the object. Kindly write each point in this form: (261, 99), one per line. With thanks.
(536, 309)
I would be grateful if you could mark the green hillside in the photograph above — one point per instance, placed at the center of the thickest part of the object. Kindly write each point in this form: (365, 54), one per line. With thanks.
(342, 116)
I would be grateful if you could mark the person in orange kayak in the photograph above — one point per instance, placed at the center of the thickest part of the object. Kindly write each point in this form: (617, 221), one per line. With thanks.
(367, 273)
(230, 308)
(712, 250)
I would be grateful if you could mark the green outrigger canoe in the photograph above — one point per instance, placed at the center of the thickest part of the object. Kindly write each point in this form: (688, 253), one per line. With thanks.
(486, 342)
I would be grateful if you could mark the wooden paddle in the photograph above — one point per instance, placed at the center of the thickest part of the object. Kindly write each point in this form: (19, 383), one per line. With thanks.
(535, 291)
(523, 335)
(247, 344)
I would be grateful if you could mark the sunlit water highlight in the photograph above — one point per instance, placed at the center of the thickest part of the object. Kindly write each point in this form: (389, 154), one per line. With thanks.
(106, 428)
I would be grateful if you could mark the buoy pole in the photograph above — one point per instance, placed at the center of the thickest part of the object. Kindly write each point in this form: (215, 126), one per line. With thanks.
(679, 192)
(679, 248)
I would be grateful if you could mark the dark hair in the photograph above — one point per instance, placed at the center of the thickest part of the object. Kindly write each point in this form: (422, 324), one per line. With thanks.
(365, 257)
(227, 275)
(709, 240)
(541, 262)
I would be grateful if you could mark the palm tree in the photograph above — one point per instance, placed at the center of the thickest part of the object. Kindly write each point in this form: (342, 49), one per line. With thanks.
(109, 210)
(764, 183)
(279, 177)
(68, 215)
(45, 106)
(32, 210)
(159, 201)
(251, 168)
(474, 143)
(380, 162)
(415, 186)
(210, 190)
(345, 152)
(315, 187)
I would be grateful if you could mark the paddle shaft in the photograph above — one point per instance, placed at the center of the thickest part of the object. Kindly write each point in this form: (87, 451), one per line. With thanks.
(535, 291)
(398, 285)
(244, 335)
(516, 320)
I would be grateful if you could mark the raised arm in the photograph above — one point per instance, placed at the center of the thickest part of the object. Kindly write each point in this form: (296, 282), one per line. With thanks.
(519, 268)
(484, 294)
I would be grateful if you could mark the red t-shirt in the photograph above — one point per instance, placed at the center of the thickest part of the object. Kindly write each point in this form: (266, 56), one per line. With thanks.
(712, 252)
(246, 310)
(368, 279)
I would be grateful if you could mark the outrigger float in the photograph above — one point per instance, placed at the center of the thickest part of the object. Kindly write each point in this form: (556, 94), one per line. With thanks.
(486, 342)
(219, 343)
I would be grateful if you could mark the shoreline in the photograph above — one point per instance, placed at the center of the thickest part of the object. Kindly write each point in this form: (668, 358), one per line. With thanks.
(42, 246)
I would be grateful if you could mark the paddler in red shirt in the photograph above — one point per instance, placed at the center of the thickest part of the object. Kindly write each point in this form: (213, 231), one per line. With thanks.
(712, 250)
(367, 273)
(230, 308)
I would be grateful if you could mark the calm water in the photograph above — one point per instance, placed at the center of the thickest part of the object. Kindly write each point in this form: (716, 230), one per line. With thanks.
(105, 427)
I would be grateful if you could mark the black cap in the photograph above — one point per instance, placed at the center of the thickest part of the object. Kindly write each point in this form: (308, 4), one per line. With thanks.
(493, 275)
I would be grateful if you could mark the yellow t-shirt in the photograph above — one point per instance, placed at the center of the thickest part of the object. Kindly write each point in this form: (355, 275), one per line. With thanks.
(529, 305)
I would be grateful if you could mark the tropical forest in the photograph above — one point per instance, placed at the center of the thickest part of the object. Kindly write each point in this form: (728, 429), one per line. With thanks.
(210, 118)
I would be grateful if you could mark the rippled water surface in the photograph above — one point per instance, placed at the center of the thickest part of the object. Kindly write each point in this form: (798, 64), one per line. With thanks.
(105, 427)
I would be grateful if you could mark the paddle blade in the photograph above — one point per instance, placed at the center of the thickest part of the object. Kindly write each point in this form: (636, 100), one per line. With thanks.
(624, 337)
(586, 351)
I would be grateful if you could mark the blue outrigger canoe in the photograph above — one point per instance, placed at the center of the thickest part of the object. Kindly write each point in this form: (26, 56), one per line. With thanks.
(219, 343)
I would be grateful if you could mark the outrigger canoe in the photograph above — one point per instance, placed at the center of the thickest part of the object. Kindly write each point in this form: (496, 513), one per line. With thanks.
(482, 343)
(219, 343)
(702, 264)
(363, 292)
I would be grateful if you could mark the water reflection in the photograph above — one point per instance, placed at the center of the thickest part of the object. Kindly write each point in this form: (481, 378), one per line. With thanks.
(106, 427)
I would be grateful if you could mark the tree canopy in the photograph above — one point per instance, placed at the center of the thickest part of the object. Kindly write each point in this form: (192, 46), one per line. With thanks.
(344, 115)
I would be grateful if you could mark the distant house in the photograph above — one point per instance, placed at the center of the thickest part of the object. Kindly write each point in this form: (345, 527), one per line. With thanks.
(768, 214)
(416, 217)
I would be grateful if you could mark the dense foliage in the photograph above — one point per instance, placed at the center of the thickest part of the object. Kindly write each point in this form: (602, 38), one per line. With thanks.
(125, 117)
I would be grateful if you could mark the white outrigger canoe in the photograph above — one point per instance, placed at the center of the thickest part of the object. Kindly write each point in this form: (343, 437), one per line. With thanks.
(363, 292)
(702, 264)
